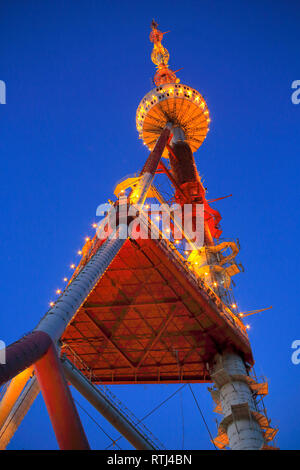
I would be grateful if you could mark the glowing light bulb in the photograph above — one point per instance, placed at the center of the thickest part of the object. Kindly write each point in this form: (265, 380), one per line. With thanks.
(94, 225)
(72, 266)
(58, 291)
(241, 315)
(65, 279)
(79, 252)
(248, 327)
(87, 239)
(233, 305)
(51, 304)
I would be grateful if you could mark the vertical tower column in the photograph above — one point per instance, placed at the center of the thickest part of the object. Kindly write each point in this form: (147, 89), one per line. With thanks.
(186, 176)
(238, 429)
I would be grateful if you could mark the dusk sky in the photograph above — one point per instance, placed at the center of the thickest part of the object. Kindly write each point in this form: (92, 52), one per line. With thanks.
(75, 72)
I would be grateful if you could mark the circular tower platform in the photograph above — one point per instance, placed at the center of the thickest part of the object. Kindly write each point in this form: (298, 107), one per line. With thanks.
(176, 103)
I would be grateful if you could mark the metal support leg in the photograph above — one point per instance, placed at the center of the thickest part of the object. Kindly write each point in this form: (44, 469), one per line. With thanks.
(18, 412)
(62, 412)
(12, 393)
(24, 353)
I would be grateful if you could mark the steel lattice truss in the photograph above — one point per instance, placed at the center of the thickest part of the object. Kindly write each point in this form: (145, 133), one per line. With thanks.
(149, 321)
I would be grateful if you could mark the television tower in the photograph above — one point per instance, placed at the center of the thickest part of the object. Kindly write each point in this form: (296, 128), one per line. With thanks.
(146, 309)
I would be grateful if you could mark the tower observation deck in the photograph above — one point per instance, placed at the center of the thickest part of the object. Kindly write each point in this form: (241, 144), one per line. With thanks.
(157, 309)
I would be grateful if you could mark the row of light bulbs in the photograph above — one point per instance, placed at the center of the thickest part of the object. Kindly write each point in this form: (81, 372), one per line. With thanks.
(215, 283)
(72, 266)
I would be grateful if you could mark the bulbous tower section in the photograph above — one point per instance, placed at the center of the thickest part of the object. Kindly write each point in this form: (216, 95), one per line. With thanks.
(170, 101)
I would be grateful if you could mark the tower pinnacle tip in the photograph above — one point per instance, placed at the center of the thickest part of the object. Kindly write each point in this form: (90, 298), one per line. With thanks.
(160, 57)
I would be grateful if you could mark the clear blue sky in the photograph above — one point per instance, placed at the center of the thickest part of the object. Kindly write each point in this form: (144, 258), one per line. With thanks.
(75, 73)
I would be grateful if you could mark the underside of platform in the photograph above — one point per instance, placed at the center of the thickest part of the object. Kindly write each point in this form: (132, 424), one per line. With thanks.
(149, 320)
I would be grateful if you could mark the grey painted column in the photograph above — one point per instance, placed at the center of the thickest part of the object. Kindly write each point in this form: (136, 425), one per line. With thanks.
(235, 397)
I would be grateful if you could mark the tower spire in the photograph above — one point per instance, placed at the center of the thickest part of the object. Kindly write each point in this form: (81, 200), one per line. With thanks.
(160, 57)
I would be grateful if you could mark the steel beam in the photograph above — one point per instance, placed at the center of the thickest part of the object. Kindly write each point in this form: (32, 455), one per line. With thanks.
(23, 353)
(133, 304)
(105, 407)
(110, 341)
(12, 393)
(18, 412)
(62, 412)
(160, 331)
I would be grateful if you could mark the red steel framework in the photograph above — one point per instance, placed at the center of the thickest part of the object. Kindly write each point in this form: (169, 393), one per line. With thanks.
(149, 320)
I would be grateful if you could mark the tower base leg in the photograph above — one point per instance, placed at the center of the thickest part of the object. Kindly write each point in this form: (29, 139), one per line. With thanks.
(239, 428)
(18, 412)
(62, 412)
(12, 393)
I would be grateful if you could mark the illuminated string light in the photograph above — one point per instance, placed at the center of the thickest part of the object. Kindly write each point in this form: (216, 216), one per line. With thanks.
(248, 327)
(233, 305)
(72, 266)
